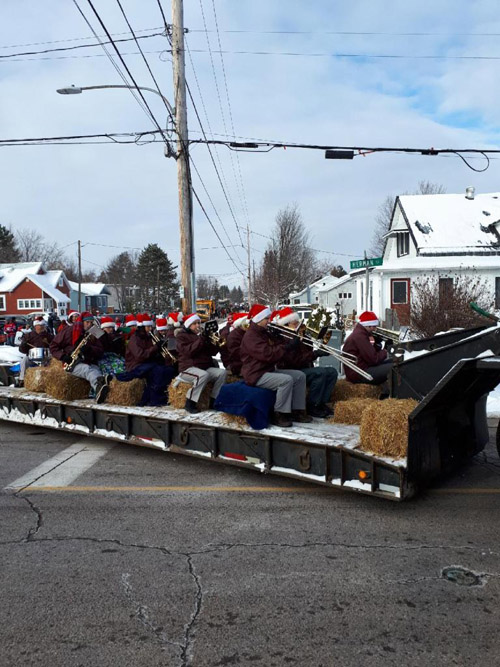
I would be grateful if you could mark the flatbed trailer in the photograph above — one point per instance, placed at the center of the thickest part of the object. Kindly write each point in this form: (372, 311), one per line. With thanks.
(448, 426)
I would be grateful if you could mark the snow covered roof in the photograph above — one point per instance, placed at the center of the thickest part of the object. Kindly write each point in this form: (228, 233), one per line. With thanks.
(45, 283)
(336, 282)
(11, 275)
(90, 289)
(448, 262)
(451, 223)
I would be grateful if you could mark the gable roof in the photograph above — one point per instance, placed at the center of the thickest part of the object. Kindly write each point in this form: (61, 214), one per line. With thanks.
(45, 283)
(447, 224)
(11, 275)
(90, 289)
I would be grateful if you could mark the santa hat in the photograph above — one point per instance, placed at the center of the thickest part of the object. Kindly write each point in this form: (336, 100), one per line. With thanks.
(161, 323)
(39, 322)
(273, 315)
(285, 316)
(191, 319)
(369, 319)
(175, 319)
(230, 317)
(239, 319)
(130, 321)
(258, 312)
(144, 320)
(73, 313)
(107, 322)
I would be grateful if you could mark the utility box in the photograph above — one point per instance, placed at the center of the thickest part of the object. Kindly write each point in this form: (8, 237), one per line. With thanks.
(334, 342)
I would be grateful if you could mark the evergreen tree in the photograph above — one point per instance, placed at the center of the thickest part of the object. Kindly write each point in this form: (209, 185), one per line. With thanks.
(8, 249)
(157, 279)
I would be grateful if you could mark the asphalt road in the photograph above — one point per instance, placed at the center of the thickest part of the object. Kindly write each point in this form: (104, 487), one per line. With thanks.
(115, 555)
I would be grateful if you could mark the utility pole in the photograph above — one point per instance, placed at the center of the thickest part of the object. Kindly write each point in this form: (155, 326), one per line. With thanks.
(367, 285)
(183, 173)
(249, 266)
(79, 276)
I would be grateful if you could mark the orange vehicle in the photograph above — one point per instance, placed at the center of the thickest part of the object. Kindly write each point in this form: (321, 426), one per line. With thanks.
(205, 309)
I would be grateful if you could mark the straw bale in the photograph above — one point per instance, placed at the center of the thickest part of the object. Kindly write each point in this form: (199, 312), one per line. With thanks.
(384, 427)
(350, 412)
(344, 391)
(126, 393)
(62, 385)
(234, 420)
(34, 379)
(177, 395)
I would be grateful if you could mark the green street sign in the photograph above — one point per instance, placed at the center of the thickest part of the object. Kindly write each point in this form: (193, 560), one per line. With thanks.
(363, 263)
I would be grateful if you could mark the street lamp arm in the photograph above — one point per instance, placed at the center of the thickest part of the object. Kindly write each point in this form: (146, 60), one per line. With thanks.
(76, 90)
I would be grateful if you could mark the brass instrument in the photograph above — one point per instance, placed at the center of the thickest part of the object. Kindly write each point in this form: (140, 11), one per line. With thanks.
(77, 352)
(324, 334)
(211, 331)
(344, 357)
(388, 334)
(165, 353)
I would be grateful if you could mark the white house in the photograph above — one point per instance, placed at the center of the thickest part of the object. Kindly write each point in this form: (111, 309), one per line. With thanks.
(310, 295)
(443, 235)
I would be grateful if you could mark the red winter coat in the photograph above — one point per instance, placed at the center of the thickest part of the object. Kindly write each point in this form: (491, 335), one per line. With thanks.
(141, 349)
(194, 350)
(299, 357)
(233, 346)
(366, 353)
(260, 352)
(32, 339)
(113, 342)
(63, 345)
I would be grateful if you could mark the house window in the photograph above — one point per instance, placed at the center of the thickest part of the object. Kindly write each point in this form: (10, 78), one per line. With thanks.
(2, 302)
(29, 304)
(296, 301)
(497, 293)
(400, 291)
(61, 282)
(445, 291)
(403, 241)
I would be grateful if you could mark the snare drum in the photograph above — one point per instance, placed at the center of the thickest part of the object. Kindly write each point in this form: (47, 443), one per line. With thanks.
(39, 354)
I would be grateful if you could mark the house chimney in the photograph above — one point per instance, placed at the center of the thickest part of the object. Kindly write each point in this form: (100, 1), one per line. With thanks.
(470, 192)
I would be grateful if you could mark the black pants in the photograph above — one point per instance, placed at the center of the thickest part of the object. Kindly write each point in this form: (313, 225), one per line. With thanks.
(379, 373)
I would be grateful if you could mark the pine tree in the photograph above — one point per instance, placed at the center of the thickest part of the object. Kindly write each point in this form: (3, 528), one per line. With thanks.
(8, 249)
(157, 279)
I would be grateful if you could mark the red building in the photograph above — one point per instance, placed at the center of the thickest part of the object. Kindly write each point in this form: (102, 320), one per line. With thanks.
(27, 288)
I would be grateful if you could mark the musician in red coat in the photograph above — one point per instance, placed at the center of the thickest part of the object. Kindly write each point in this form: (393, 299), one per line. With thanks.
(370, 356)
(233, 342)
(66, 342)
(40, 337)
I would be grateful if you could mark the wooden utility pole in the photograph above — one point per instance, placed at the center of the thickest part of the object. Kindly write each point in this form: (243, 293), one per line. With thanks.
(249, 266)
(79, 276)
(367, 285)
(183, 174)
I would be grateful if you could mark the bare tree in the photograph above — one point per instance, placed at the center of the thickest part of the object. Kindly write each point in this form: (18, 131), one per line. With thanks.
(440, 303)
(288, 263)
(34, 248)
(385, 212)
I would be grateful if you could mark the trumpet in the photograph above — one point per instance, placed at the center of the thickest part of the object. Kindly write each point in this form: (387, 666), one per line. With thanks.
(166, 354)
(346, 358)
(211, 331)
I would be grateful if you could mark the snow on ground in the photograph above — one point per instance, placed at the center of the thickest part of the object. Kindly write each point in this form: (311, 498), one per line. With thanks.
(493, 404)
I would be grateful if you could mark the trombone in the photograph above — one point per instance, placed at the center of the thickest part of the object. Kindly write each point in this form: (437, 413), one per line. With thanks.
(347, 359)
(166, 354)
(388, 334)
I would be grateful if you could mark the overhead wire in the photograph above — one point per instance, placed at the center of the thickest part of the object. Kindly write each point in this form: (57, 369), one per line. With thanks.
(71, 39)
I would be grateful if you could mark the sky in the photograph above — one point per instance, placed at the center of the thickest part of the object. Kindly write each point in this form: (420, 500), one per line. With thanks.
(318, 74)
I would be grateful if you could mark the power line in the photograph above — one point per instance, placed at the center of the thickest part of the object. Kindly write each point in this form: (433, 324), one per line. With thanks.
(352, 32)
(70, 39)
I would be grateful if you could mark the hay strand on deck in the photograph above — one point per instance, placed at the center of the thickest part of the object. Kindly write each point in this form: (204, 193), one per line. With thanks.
(34, 379)
(234, 420)
(62, 385)
(177, 395)
(384, 427)
(350, 412)
(126, 393)
(344, 391)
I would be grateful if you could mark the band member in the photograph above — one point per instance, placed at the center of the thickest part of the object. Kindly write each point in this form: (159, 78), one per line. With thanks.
(233, 344)
(73, 315)
(65, 343)
(223, 334)
(143, 359)
(161, 326)
(320, 380)
(40, 337)
(370, 356)
(113, 360)
(174, 322)
(128, 328)
(196, 365)
(260, 352)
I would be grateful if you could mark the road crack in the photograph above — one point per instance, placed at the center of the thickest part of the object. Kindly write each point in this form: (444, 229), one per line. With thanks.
(186, 653)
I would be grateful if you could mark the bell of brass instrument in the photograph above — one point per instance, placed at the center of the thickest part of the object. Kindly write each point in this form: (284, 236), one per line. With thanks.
(165, 353)
(387, 334)
(211, 331)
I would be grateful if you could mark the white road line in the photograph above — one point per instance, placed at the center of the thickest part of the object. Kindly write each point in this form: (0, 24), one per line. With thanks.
(64, 467)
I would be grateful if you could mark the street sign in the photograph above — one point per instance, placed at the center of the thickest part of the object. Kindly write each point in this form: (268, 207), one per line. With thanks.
(364, 263)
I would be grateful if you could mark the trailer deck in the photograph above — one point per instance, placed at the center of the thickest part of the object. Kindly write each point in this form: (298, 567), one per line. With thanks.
(319, 452)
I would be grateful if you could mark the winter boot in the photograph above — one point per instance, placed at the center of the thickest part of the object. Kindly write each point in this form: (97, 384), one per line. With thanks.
(316, 411)
(281, 419)
(326, 409)
(301, 416)
(191, 406)
(101, 389)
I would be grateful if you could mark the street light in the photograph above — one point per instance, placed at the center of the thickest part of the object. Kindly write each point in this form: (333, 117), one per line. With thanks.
(178, 115)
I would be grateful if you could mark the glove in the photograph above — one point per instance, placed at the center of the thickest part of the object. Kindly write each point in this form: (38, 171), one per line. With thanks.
(293, 344)
(378, 340)
(321, 353)
(66, 358)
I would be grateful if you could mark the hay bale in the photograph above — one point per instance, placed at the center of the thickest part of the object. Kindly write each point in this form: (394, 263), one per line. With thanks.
(384, 427)
(34, 379)
(234, 420)
(345, 391)
(62, 385)
(177, 395)
(126, 393)
(350, 412)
